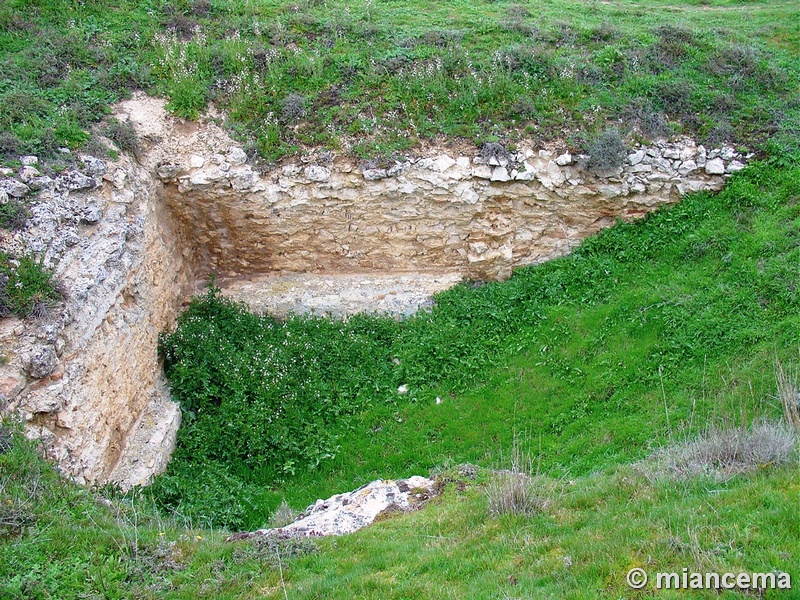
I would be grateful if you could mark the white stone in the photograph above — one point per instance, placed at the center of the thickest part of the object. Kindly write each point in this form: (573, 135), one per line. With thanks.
(196, 161)
(237, 156)
(500, 174)
(635, 158)
(688, 153)
(443, 163)
(727, 153)
(290, 170)
(14, 188)
(375, 174)
(686, 167)
(671, 153)
(349, 512)
(528, 174)
(29, 161)
(482, 172)
(734, 166)
(463, 162)
(28, 174)
(564, 159)
(715, 166)
(317, 173)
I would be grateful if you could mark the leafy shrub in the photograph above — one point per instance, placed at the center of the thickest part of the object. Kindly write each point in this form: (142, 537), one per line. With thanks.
(293, 108)
(675, 98)
(10, 146)
(641, 116)
(530, 60)
(718, 134)
(605, 32)
(607, 152)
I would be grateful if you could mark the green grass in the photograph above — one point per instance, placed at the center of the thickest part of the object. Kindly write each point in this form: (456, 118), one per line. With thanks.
(376, 78)
(27, 288)
(60, 540)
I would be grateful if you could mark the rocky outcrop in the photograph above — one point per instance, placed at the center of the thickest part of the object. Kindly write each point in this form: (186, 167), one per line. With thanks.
(349, 512)
(86, 374)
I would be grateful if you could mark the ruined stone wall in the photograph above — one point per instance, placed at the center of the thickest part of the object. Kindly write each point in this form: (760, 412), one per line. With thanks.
(444, 211)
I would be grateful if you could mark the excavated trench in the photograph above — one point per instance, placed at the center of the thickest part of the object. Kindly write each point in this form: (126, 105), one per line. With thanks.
(131, 241)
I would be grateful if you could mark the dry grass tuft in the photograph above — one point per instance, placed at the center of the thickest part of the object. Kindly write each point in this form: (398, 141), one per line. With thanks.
(515, 490)
(283, 516)
(723, 453)
(788, 380)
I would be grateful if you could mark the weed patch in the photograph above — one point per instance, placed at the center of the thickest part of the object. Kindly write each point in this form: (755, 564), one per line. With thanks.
(27, 289)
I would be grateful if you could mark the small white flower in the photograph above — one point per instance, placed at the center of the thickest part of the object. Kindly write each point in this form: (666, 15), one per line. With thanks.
(403, 389)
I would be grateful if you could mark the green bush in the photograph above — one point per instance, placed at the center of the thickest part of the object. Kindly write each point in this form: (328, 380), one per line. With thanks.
(607, 152)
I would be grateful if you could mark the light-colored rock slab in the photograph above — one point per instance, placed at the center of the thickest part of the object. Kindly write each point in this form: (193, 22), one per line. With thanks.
(346, 513)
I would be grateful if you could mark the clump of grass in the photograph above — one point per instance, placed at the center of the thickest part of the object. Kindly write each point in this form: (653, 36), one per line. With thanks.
(13, 215)
(641, 116)
(123, 135)
(789, 393)
(515, 490)
(495, 150)
(273, 550)
(27, 288)
(282, 516)
(293, 108)
(607, 152)
(724, 452)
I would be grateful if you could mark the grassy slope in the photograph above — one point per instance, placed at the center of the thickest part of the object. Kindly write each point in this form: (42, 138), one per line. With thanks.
(376, 77)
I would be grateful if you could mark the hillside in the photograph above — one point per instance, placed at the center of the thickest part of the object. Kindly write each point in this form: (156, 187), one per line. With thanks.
(630, 405)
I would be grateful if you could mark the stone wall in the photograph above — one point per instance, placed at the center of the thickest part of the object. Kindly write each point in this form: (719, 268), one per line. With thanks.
(444, 211)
